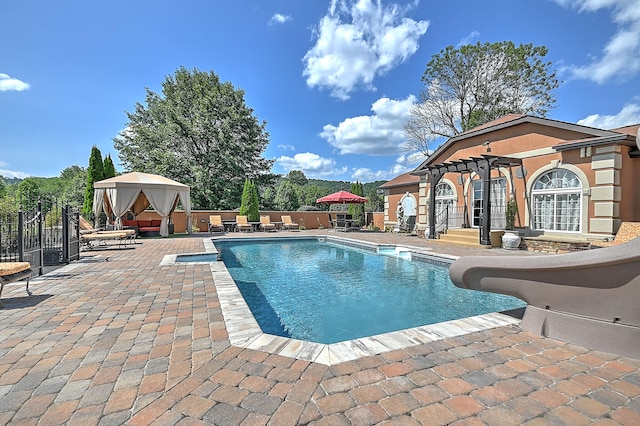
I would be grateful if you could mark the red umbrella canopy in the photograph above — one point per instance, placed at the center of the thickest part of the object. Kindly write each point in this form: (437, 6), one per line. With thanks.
(342, 197)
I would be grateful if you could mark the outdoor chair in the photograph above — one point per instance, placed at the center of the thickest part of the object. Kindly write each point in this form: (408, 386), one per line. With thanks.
(332, 223)
(265, 223)
(14, 271)
(289, 224)
(342, 222)
(87, 228)
(215, 223)
(242, 223)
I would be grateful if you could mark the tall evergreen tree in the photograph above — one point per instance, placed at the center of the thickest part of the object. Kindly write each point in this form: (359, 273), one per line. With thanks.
(95, 173)
(250, 205)
(200, 132)
(109, 167)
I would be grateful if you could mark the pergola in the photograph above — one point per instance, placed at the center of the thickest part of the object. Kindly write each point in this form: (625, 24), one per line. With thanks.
(482, 166)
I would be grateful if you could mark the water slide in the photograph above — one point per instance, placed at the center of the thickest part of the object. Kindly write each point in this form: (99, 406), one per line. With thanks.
(589, 298)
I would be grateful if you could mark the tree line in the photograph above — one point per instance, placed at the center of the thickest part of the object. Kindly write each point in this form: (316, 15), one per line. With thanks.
(74, 187)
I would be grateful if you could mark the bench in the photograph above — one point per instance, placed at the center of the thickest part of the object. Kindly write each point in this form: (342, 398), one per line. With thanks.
(627, 232)
(14, 271)
(143, 227)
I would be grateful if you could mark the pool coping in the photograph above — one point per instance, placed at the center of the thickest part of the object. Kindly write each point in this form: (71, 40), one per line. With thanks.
(245, 332)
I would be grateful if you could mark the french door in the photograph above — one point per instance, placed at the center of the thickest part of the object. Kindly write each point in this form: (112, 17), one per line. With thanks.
(497, 198)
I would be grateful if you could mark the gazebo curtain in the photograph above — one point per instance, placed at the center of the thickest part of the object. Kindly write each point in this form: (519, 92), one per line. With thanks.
(119, 195)
(121, 200)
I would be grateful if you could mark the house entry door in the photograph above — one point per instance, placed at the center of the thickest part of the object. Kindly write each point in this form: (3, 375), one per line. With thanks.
(497, 198)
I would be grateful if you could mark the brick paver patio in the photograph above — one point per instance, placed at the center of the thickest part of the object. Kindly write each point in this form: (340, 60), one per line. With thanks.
(117, 339)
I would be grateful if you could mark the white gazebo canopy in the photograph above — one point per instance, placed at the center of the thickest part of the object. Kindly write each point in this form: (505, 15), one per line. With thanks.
(136, 191)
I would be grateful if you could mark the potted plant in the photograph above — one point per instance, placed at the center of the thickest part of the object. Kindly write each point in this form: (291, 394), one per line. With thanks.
(510, 239)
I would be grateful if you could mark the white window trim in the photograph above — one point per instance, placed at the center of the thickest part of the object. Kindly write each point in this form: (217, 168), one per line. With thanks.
(584, 200)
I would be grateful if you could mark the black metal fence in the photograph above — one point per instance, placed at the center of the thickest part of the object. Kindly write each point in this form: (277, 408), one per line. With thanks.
(46, 235)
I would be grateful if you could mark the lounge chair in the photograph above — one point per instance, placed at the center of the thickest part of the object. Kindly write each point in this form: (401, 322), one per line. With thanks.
(14, 271)
(242, 224)
(289, 224)
(87, 240)
(266, 225)
(215, 223)
(588, 298)
(87, 228)
(90, 235)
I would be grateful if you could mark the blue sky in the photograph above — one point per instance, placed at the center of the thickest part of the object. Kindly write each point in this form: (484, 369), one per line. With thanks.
(333, 79)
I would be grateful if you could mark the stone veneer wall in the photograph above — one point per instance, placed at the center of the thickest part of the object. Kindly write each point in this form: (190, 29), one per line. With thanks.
(553, 247)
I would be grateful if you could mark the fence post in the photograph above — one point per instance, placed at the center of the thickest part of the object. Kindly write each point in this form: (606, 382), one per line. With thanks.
(40, 240)
(20, 235)
(65, 234)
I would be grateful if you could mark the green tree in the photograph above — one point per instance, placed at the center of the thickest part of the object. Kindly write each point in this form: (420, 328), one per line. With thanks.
(357, 210)
(310, 193)
(109, 167)
(28, 194)
(474, 84)
(200, 132)
(376, 201)
(286, 198)
(297, 177)
(250, 205)
(95, 173)
(74, 180)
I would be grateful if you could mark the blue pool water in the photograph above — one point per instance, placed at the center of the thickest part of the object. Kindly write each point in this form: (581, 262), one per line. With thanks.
(327, 293)
(202, 257)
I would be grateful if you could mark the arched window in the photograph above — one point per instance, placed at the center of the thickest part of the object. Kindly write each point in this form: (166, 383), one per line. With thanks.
(445, 199)
(556, 201)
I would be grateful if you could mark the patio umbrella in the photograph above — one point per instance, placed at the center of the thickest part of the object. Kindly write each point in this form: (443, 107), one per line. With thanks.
(342, 197)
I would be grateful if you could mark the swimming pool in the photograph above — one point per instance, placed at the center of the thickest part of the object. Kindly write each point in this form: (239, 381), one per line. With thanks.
(320, 291)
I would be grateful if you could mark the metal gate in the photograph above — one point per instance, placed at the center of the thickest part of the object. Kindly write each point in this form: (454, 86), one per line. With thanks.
(71, 234)
(47, 235)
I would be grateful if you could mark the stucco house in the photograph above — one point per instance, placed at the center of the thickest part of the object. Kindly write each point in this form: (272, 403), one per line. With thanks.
(570, 182)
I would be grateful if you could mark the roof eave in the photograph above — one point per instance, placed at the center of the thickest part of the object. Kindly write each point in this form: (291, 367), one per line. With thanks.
(619, 138)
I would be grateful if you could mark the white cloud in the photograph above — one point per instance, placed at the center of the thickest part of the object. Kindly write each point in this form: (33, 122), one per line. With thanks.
(8, 83)
(468, 39)
(279, 18)
(10, 173)
(287, 147)
(312, 165)
(379, 134)
(630, 114)
(620, 55)
(404, 163)
(357, 41)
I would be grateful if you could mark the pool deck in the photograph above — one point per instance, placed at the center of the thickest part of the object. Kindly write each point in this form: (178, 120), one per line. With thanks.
(118, 339)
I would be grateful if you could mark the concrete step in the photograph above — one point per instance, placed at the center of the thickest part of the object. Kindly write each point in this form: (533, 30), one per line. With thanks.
(469, 237)
(460, 243)
(460, 239)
